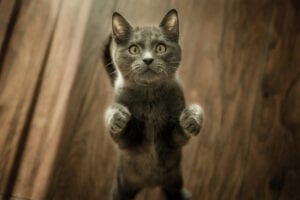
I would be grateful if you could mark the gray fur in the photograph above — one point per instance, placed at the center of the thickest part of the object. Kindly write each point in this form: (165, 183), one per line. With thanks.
(148, 118)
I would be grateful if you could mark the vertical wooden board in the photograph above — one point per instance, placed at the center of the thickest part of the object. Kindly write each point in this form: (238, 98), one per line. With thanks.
(272, 169)
(200, 72)
(229, 95)
(45, 132)
(6, 12)
(85, 155)
(20, 73)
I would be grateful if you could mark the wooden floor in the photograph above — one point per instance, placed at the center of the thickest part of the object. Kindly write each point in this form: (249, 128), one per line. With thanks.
(241, 61)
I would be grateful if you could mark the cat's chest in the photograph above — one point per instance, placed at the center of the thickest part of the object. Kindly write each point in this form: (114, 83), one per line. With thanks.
(151, 111)
(156, 107)
(150, 106)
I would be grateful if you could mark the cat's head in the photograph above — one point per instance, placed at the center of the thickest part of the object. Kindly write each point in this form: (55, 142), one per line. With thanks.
(146, 55)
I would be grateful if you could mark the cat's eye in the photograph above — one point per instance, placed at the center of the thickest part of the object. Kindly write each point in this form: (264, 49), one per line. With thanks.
(134, 50)
(161, 48)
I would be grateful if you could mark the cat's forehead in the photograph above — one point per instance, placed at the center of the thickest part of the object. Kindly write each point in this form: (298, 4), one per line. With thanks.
(147, 33)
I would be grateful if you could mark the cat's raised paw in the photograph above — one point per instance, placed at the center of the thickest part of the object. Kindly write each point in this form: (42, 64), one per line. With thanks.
(117, 117)
(191, 119)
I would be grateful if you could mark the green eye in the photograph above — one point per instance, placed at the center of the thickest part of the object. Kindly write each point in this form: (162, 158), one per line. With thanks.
(133, 49)
(161, 48)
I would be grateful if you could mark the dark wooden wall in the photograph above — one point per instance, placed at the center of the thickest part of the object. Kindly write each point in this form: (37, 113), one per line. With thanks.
(241, 61)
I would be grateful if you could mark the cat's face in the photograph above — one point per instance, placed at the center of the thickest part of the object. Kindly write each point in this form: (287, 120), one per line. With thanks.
(148, 54)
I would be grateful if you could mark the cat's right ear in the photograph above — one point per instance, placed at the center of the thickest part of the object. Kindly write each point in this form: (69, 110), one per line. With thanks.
(121, 29)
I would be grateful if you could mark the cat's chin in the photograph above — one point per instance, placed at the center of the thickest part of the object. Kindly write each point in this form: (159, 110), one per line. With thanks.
(148, 77)
(146, 82)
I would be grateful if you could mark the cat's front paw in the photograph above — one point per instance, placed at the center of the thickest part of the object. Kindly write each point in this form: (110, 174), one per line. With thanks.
(191, 119)
(117, 117)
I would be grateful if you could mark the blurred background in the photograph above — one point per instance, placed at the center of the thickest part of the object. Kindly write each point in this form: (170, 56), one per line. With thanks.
(240, 61)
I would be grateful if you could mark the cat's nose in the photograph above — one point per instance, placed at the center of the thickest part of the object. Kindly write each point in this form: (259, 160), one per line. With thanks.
(148, 61)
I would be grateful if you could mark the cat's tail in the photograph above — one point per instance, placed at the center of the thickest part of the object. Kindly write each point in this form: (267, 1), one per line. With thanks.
(107, 60)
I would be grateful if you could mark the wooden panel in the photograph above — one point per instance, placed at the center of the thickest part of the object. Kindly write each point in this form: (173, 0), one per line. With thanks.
(20, 74)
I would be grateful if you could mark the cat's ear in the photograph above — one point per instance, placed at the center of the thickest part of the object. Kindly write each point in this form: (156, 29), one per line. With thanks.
(170, 25)
(120, 27)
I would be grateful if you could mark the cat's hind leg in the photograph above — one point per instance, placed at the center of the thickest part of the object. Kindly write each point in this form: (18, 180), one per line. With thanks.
(174, 189)
(124, 190)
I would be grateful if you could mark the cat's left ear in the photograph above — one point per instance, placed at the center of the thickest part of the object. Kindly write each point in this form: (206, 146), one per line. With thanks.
(170, 25)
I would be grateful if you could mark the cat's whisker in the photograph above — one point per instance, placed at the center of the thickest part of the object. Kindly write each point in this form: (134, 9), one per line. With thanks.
(135, 66)
(138, 70)
(161, 69)
(175, 61)
(113, 72)
(173, 64)
(165, 73)
(108, 64)
(129, 74)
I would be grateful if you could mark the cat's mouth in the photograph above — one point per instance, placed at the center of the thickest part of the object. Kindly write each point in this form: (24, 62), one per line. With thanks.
(149, 72)
(149, 75)
(155, 70)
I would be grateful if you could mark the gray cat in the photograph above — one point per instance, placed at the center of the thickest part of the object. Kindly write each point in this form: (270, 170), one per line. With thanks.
(148, 118)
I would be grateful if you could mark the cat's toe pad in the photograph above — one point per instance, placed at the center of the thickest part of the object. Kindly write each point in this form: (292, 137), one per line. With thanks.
(118, 119)
(191, 119)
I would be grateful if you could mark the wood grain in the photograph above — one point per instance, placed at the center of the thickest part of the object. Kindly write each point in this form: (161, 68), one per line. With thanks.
(8, 13)
(241, 61)
(20, 76)
(45, 131)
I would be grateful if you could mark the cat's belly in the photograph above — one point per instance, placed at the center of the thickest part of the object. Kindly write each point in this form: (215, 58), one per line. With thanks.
(146, 168)
(151, 162)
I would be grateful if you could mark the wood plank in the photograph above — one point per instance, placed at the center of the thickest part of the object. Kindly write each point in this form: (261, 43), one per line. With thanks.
(84, 150)
(273, 162)
(19, 77)
(8, 14)
(45, 131)
(228, 84)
